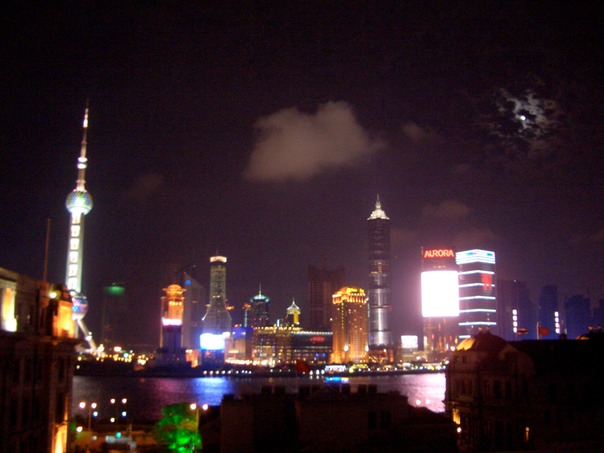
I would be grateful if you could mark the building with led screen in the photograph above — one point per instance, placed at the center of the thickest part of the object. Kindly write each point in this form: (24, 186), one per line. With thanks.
(349, 326)
(381, 347)
(477, 292)
(440, 299)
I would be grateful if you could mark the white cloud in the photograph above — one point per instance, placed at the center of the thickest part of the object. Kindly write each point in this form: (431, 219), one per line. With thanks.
(448, 209)
(291, 144)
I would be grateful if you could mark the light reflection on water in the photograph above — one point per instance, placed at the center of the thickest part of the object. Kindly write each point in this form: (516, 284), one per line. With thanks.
(147, 396)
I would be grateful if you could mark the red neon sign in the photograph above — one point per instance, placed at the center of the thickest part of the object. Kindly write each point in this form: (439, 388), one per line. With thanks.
(439, 253)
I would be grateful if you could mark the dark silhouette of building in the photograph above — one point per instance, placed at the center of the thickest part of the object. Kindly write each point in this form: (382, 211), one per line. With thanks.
(548, 308)
(322, 284)
(330, 418)
(516, 314)
(194, 309)
(115, 315)
(577, 310)
(381, 346)
(545, 395)
(37, 345)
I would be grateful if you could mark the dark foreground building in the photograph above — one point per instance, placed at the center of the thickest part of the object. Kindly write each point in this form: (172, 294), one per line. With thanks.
(330, 418)
(37, 345)
(527, 395)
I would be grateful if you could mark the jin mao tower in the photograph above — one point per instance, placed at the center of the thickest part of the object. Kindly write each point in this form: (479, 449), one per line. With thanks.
(380, 335)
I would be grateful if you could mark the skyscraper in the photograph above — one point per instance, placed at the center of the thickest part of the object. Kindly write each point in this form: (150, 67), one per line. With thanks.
(322, 284)
(548, 312)
(171, 318)
(115, 322)
(516, 314)
(349, 326)
(257, 311)
(440, 300)
(477, 292)
(217, 319)
(195, 297)
(380, 335)
(78, 203)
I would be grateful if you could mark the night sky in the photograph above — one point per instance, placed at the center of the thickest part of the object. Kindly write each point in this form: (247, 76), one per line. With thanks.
(265, 133)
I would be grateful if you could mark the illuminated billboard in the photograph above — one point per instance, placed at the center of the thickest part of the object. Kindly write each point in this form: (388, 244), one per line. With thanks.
(410, 342)
(211, 342)
(440, 294)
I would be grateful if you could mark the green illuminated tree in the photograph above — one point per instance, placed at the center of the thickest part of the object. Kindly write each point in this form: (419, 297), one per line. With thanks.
(178, 430)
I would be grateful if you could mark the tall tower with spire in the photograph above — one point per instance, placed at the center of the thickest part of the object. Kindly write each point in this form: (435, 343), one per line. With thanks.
(381, 347)
(217, 319)
(78, 203)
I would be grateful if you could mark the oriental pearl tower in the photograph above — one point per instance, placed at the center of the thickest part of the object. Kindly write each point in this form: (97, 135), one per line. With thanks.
(78, 203)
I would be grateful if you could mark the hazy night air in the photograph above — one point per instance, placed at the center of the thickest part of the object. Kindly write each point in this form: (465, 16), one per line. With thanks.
(267, 132)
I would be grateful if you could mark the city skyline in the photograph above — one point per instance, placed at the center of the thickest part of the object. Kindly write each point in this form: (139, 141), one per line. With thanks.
(265, 135)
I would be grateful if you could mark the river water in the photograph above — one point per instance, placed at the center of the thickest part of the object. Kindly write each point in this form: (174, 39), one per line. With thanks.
(145, 397)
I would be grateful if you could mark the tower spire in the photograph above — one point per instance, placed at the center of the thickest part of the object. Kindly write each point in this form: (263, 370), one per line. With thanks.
(82, 160)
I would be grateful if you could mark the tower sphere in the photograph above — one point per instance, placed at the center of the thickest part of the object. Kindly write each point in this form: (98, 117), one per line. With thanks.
(79, 201)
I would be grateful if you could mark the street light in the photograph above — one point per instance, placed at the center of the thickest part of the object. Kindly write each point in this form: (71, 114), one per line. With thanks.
(91, 407)
(113, 402)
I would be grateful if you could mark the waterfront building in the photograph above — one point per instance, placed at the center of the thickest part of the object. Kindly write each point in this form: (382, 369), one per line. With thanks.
(37, 343)
(322, 284)
(440, 301)
(293, 315)
(256, 311)
(349, 326)
(171, 349)
(381, 346)
(114, 318)
(79, 204)
(217, 319)
(527, 395)
(477, 292)
(194, 308)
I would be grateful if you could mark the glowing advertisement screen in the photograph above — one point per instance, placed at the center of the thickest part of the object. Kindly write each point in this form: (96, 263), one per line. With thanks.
(440, 294)
(211, 342)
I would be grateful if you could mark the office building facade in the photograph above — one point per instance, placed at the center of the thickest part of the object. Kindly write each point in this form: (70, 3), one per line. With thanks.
(477, 292)
(349, 326)
(322, 284)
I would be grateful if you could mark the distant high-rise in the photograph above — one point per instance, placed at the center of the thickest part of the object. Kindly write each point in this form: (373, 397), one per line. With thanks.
(195, 297)
(293, 315)
(349, 326)
(217, 319)
(440, 300)
(115, 322)
(171, 318)
(322, 284)
(380, 334)
(516, 314)
(257, 311)
(578, 319)
(548, 312)
(477, 292)
(78, 203)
